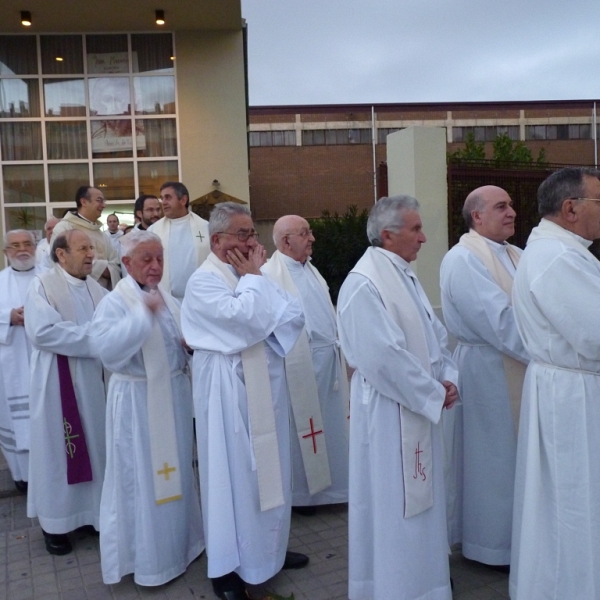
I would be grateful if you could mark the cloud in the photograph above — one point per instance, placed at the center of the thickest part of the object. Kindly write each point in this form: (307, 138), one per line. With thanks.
(345, 51)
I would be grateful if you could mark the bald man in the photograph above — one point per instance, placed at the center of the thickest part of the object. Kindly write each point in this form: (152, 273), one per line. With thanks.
(476, 281)
(316, 374)
(42, 252)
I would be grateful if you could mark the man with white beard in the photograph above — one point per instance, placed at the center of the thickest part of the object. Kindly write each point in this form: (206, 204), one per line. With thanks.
(15, 353)
(68, 402)
(150, 512)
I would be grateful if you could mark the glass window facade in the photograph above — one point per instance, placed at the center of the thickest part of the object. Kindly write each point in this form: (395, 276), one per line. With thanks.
(83, 109)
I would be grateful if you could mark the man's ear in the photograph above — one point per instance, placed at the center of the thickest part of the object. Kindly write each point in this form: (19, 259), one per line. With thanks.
(569, 210)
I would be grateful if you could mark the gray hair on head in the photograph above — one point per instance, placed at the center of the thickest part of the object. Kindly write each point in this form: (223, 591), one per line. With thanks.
(15, 232)
(474, 202)
(221, 215)
(562, 185)
(136, 237)
(388, 215)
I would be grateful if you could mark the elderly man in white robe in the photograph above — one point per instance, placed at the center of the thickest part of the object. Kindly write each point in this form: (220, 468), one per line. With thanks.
(68, 401)
(150, 511)
(556, 526)
(476, 281)
(316, 374)
(404, 377)
(42, 251)
(184, 237)
(15, 353)
(240, 326)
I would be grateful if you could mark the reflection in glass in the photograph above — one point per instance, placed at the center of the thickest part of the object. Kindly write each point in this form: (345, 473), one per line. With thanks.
(152, 52)
(64, 97)
(19, 98)
(115, 180)
(64, 180)
(27, 217)
(21, 141)
(107, 54)
(23, 184)
(66, 140)
(154, 95)
(62, 54)
(112, 139)
(109, 96)
(18, 55)
(157, 137)
(152, 174)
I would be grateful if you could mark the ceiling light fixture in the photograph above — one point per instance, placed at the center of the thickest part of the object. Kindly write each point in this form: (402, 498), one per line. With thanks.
(59, 58)
(160, 17)
(25, 18)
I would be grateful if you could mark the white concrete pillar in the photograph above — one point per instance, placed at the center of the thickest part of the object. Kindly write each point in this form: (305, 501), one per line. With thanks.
(416, 159)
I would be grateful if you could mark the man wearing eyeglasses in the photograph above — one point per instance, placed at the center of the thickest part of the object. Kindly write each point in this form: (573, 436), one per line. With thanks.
(15, 353)
(241, 325)
(184, 237)
(476, 282)
(556, 528)
(316, 374)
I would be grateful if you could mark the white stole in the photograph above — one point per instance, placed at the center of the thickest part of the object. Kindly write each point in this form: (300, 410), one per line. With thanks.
(199, 229)
(16, 370)
(514, 370)
(260, 407)
(415, 429)
(166, 472)
(302, 386)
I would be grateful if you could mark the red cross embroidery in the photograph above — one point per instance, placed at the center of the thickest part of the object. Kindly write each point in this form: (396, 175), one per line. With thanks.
(313, 434)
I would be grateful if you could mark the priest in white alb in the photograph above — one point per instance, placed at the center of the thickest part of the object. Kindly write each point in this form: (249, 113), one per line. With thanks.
(556, 524)
(476, 282)
(89, 203)
(15, 353)
(42, 251)
(316, 374)
(240, 326)
(404, 377)
(184, 237)
(150, 512)
(68, 400)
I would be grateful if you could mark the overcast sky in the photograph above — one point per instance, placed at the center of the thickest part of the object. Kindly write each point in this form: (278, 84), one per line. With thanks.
(361, 51)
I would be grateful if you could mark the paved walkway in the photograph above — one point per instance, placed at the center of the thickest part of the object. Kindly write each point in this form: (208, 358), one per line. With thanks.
(28, 572)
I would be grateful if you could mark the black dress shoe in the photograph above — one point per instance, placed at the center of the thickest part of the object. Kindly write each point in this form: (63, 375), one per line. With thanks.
(295, 560)
(89, 529)
(21, 486)
(57, 543)
(305, 511)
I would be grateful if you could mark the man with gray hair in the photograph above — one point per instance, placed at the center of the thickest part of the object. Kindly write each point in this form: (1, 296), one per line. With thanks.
(476, 282)
(15, 353)
(316, 374)
(404, 377)
(150, 513)
(556, 528)
(68, 400)
(42, 252)
(184, 237)
(240, 326)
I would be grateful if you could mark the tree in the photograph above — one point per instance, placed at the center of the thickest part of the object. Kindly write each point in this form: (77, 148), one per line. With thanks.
(339, 242)
(472, 151)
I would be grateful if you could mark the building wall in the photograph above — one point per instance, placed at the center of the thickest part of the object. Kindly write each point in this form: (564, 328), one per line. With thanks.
(212, 112)
(308, 179)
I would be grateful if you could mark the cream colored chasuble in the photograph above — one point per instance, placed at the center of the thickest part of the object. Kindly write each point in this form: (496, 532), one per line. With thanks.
(514, 370)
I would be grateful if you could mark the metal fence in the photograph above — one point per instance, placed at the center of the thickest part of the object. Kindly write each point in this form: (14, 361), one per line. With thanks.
(520, 180)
